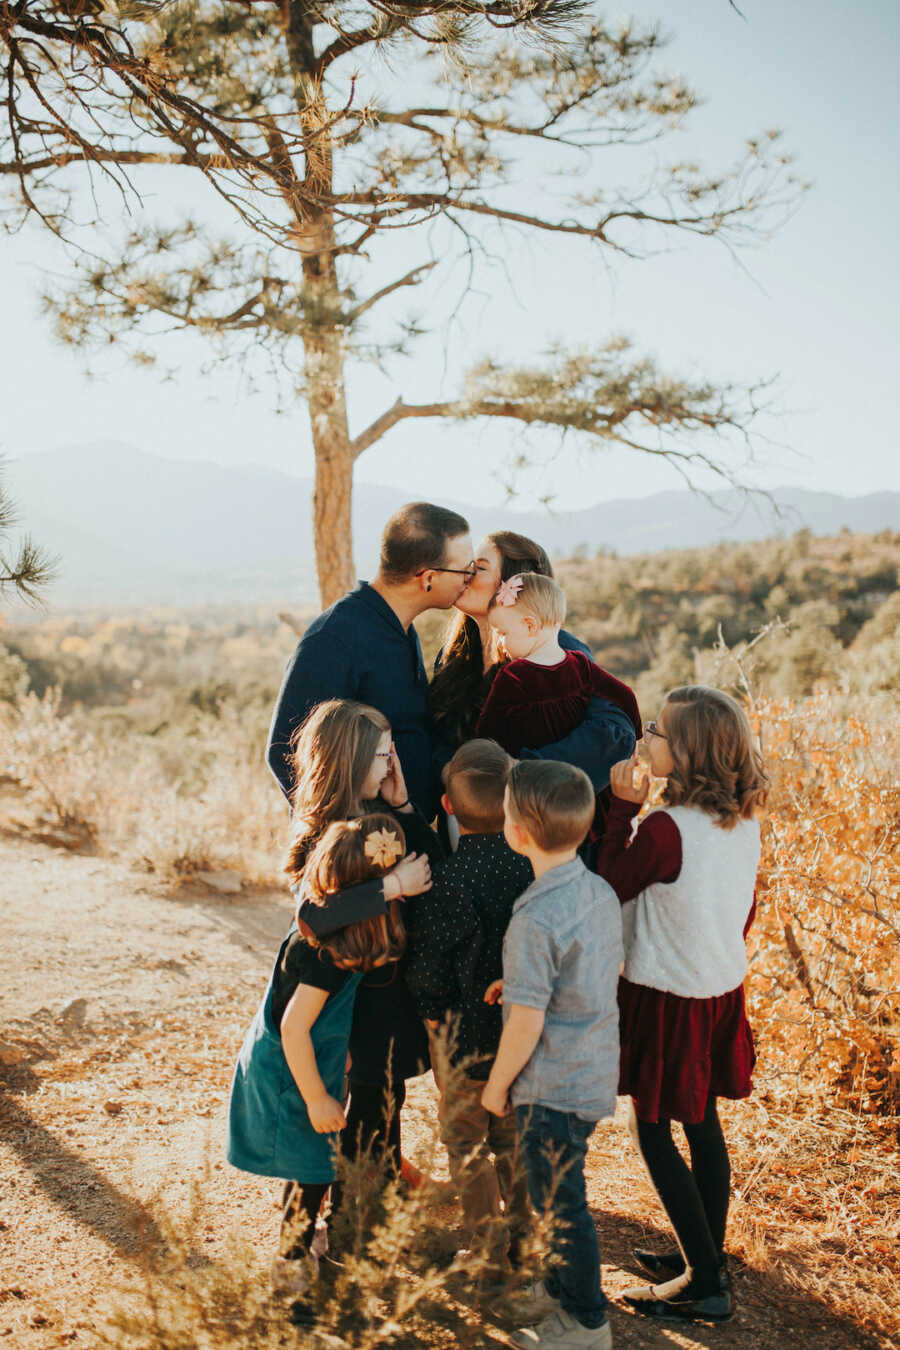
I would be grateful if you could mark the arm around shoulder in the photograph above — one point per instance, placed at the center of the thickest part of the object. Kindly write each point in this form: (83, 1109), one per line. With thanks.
(604, 737)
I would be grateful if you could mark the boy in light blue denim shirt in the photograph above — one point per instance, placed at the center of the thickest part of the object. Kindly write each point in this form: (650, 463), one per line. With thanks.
(558, 1061)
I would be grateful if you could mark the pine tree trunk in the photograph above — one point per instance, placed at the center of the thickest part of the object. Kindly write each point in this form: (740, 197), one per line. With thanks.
(323, 331)
(332, 496)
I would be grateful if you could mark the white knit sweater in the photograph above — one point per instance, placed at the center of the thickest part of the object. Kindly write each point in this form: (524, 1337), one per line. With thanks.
(687, 936)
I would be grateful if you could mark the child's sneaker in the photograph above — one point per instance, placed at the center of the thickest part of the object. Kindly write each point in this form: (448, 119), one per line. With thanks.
(319, 1245)
(533, 1303)
(561, 1331)
(292, 1278)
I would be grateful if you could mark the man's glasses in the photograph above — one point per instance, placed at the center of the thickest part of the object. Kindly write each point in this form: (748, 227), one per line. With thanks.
(457, 571)
(652, 729)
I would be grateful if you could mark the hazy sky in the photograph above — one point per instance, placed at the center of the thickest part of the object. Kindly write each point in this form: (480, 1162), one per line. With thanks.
(817, 305)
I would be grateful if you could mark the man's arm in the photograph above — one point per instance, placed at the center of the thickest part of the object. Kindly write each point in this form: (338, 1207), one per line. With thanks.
(603, 738)
(321, 668)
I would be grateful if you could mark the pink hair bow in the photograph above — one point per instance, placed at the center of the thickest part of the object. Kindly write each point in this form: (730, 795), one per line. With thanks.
(508, 591)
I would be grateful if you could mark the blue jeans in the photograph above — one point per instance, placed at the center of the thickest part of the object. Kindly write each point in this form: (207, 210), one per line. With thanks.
(554, 1147)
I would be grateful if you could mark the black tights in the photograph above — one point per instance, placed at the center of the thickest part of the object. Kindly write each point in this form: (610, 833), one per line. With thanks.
(299, 1206)
(696, 1197)
(371, 1125)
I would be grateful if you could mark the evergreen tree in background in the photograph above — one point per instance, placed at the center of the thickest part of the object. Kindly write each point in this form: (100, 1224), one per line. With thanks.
(325, 129)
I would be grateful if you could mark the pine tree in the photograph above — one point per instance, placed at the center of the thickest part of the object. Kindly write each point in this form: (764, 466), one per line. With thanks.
(300, 117)
(27, 569)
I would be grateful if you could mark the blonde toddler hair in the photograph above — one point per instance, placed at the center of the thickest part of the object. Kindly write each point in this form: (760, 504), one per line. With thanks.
(540, 597)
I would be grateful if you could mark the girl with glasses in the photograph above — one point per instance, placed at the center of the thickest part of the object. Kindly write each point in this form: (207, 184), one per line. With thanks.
(686, 881)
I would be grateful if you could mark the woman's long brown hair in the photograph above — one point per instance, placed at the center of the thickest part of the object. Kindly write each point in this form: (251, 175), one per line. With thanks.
(718, 767)
(332, 753)
(460, 682)
(338, 860)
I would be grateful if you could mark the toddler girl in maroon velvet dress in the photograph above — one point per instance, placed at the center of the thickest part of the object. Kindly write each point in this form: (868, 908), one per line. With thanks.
(686, 881)
(542, 693)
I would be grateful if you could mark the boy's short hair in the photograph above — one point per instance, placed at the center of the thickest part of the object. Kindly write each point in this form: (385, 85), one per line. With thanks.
(475, 780)
(415, 538)
(554, 802)
(541, 597)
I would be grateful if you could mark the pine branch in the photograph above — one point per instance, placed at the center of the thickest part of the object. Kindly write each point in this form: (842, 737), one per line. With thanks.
(600, 397)
(412, 278)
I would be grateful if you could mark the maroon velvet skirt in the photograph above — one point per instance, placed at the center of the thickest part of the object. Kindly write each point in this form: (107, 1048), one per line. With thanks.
(677, 1051)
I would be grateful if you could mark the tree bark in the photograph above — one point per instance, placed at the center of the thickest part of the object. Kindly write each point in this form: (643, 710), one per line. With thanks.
(323, 326)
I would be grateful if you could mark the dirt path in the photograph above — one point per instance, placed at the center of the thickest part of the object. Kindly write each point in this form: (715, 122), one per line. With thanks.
(120, 1014)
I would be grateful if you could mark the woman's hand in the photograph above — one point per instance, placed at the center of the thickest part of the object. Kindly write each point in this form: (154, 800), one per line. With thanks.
(494, 992)
(413, 875)
(326, 1115)
(494, 1099)
(621, 781)
(393, 785)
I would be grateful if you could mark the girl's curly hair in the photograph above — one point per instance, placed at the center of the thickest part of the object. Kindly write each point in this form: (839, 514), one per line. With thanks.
(718, 766)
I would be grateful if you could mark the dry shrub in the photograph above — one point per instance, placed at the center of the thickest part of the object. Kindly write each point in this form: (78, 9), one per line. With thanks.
(825, 965)
(192, 799)
(816, 1175)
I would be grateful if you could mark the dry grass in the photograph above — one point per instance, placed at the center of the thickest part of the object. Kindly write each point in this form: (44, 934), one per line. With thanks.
(195, 800)
(394, 1277)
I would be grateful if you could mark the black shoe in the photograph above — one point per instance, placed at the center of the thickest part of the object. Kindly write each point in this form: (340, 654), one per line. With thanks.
(661, 1265)
(683, 1306)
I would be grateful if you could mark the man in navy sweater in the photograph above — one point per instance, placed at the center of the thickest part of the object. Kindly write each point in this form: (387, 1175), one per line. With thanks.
(365, 646)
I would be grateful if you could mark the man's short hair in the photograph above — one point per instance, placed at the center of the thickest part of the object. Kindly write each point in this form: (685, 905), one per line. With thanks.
(554, 802)
(415, 538)
(475, 779)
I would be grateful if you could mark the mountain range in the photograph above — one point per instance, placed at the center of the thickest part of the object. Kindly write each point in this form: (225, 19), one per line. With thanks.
(132, 528)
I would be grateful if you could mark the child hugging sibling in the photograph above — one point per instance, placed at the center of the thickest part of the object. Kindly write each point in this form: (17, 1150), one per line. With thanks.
(558, 1058)
(542, 693)
(285, 1112)
(345, 765)
(686, 882)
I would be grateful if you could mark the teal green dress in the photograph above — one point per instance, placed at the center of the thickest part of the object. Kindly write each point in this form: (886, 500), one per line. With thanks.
(269, 1131)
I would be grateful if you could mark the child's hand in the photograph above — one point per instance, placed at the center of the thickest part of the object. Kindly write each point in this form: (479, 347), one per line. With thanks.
(393, 785)
(495, 1100)
(326, 1115)
(621, 781)
(413, 874)
(494, 992)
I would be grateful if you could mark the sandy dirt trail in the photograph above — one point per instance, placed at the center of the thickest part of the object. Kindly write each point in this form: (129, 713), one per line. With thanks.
(121, 1011)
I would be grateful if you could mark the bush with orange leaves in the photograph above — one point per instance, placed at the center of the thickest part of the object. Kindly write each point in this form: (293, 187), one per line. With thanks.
(824, 986)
